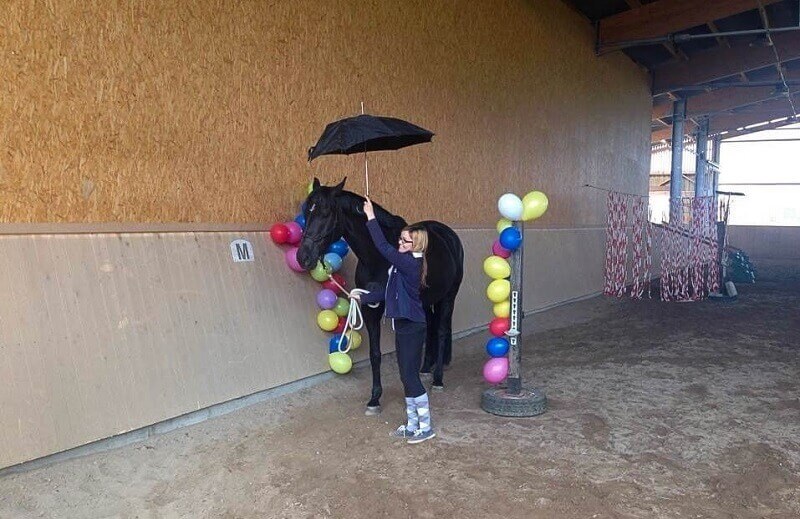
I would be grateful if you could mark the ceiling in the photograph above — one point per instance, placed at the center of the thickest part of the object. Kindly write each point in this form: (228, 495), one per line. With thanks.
(742, 82)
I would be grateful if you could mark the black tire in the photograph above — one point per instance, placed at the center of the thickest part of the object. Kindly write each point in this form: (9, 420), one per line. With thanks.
(529, 402)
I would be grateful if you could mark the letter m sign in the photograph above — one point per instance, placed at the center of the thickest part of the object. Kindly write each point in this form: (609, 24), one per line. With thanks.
(241, 250)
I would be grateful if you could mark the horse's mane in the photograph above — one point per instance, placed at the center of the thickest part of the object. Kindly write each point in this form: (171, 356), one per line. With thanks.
(354, 204)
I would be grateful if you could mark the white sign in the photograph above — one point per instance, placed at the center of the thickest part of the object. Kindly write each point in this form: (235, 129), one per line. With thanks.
(241, 250)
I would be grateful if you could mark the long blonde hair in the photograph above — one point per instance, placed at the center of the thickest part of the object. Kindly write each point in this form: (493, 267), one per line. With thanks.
(419, 243)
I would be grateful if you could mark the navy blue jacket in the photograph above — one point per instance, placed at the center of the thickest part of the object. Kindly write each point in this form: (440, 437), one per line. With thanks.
(402, 290)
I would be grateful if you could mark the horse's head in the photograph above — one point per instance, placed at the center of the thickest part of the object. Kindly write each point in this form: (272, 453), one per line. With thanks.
(322, 223)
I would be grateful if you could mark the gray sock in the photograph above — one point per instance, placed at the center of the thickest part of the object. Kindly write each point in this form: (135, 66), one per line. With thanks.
(423, 412)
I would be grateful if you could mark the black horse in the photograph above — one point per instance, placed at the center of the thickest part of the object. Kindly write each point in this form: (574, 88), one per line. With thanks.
(331, 213)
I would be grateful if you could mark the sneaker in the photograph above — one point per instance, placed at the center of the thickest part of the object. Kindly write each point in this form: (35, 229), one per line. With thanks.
(420, 436)
(402, 432)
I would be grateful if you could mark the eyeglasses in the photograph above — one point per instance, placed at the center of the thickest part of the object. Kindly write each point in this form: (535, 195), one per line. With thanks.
(409, 242)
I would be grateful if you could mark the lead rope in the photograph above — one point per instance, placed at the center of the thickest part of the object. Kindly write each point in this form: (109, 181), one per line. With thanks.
(355, 320)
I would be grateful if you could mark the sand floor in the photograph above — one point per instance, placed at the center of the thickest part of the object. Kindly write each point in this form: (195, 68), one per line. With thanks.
(656, 410)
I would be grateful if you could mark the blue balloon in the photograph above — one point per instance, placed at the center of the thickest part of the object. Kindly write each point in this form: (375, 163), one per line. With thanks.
(301, 220)
(332, 261)
(510, 238)
(333, 344)
(339, 247)
(497, 347)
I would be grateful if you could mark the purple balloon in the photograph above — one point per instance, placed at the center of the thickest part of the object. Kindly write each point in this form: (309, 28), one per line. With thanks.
(291, 259)
(326, 299)
(295, 232)
(495, 370)
(499, 250)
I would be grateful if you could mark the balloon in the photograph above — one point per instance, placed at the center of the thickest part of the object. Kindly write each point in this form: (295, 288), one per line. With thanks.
(495, 370)
(326, 299)
(497, 347)
(310, 188)
(339, 247)
(333, 344)
(499, 250)
(510, 238)
(319, 273)
(332, 261)
(340, 325)
(330, 285)
(300, 220)
(503, 223)
(496, 267)
(291, 259)
(295, 232)
(534, 205)
(510, 206)
(341, 363)
(498, 290)
(499, 326)
(342, 307)
(279, 233)
(327, 320)
(303, 207)
(355, 339)
(502, 309)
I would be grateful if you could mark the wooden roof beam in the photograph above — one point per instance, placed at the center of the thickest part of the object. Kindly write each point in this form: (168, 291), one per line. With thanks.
(664, 17)
(665, 134)
(719, 63)
(764, 112)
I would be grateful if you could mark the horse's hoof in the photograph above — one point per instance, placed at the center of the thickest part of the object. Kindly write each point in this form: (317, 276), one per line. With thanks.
(373, 410)
(437, 387)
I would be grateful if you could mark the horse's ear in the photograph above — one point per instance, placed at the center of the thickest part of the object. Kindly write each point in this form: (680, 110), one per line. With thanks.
(315, 184)
(337, 189)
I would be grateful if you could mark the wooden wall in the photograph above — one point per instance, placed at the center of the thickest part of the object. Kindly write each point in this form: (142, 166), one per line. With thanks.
(202, 111)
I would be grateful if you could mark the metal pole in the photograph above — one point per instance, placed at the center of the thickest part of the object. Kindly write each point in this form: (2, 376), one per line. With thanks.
(676, 173)
(701, 184)
(515, 332)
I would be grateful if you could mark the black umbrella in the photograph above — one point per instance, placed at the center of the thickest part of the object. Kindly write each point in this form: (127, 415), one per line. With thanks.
(364, 133)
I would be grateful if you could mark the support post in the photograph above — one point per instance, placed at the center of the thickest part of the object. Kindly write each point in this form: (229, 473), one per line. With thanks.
(701, 181)
(676, 173)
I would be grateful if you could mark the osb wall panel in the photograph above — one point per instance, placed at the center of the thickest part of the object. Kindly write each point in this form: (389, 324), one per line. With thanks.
(101, 334)
(202, 110)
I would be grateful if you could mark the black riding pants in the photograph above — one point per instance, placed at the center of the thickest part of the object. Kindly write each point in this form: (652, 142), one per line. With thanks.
(409, 337)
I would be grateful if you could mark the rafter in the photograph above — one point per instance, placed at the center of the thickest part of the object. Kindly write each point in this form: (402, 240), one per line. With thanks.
(767, 111)
(724, 99)
(664, 17)
(718, 63)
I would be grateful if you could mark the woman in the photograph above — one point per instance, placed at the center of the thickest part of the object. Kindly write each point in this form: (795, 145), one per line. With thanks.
(404, 307)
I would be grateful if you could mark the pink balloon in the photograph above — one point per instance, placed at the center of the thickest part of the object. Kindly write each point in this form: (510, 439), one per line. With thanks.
(291, 259)
(499, 250)
(295, 232)
(495, 370)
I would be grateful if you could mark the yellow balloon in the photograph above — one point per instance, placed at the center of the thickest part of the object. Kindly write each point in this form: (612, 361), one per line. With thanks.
(340, 362)
(310, 188)
(496, 267)
(319, 273)
(502, 309)
(327, 320)
(354, 339)
(534, 204)
(498, 290)
(502, 223)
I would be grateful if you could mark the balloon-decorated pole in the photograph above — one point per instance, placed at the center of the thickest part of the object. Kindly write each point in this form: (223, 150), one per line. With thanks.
(515, 332)
(505, 268)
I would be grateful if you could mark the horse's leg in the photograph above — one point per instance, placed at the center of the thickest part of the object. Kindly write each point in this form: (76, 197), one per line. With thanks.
(429, 359)
(444, 338)
(372, 320)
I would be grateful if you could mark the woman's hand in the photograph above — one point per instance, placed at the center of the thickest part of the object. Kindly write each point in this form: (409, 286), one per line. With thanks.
(369, 210)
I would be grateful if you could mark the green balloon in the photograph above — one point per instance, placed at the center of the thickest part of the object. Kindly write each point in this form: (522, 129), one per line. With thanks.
(327, 320)
(319, 273)
(340, 362)
(342, 307)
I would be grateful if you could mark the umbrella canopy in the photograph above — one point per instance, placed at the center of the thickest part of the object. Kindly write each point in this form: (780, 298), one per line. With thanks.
(364, 133)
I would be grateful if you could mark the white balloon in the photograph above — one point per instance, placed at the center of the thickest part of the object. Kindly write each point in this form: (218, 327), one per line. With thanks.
(510, 206)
